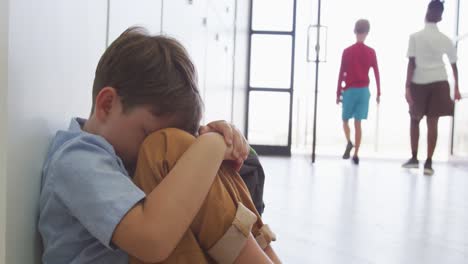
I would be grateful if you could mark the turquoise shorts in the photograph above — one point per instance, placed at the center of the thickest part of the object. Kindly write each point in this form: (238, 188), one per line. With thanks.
(356, 103)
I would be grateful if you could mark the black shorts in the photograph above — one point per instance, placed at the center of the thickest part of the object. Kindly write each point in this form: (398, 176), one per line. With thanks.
(432, 100)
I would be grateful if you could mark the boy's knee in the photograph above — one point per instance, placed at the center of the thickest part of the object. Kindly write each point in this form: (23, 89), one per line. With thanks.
(415, 119)
(168, 142)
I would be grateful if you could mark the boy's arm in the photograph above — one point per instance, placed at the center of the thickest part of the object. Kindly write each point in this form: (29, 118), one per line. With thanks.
(377, 77)
(340, 79)
(451, 52)
(272, 255)
(411, 53)
(151, 230)
(409, 78)
(455, 78)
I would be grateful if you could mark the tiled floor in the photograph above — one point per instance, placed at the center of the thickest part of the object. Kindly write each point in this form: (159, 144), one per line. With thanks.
(335, 212)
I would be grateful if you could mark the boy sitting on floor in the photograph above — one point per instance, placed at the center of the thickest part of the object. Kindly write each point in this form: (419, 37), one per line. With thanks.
(144, 120)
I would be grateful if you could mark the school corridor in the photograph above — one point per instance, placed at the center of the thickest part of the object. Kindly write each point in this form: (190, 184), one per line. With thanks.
(269, 67)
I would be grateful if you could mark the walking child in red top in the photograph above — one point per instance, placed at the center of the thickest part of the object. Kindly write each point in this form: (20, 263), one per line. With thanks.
(353, 85)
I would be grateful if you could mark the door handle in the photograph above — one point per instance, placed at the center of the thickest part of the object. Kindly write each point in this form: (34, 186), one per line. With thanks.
(320, 47)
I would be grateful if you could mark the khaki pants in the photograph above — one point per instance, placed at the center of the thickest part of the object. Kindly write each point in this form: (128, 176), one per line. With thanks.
(227, 216)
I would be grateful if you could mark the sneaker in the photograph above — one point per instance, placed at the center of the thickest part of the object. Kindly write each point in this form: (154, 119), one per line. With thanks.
(348, 150)
(412, 163)
(428, 168)
(356, 160)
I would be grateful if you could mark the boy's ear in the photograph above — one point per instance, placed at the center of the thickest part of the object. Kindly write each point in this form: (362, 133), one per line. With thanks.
(105, 101)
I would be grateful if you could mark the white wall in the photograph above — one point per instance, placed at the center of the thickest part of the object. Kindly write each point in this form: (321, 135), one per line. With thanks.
(3, 118)
(206, 31)
(54, 47)
(147, 13)
(191, 31)
(218, 82)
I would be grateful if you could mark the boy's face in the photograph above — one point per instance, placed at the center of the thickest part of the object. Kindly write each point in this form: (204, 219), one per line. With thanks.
(126, 131)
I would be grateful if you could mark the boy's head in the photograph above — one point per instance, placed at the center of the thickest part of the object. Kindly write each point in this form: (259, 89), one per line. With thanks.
(143, 83)
(435, 8)
(362, 27)
(152, 71)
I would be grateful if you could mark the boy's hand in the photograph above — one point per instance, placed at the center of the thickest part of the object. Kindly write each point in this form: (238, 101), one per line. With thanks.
(457, 93)
(237, 144)
(338, 99)
(409, 98)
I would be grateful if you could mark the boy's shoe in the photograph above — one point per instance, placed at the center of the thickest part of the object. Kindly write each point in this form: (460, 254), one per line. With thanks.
(428, 168)
(348, 150)
(355, 160)
(412, 163)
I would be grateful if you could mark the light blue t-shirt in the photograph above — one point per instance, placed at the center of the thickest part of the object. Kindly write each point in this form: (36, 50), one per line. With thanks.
(85, 192)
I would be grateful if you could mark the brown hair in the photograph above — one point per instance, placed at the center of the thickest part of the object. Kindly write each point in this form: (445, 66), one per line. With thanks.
(362, 26)
(154, 71)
